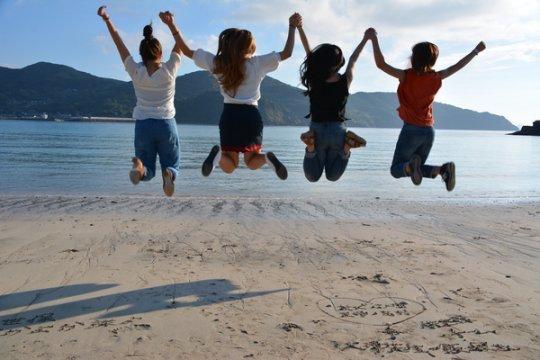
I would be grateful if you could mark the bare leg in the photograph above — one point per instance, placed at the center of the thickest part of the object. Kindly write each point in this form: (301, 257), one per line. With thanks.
(254, 160)
(229, 161)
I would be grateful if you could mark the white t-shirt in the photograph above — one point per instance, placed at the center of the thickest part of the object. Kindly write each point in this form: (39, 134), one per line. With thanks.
(155, 93)
(249, 92)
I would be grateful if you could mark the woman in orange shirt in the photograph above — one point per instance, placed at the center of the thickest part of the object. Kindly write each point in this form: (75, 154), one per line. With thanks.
(416, 93)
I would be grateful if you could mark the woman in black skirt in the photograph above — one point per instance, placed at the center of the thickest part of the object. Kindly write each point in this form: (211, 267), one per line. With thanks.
(240, 74)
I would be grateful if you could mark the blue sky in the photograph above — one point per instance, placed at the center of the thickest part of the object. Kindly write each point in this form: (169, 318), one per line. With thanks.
(505, 79)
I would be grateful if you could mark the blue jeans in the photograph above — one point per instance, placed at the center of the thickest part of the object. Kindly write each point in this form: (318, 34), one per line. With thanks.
(328, 155)
(157, 137)
(413, 140)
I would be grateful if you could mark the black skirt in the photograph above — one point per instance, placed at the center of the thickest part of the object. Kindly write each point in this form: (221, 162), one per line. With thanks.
(240, 128)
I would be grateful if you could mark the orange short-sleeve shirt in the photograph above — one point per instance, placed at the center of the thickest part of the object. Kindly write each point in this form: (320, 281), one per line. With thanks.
(416, 94)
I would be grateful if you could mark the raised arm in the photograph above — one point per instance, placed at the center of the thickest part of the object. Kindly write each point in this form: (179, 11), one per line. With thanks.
(303, 38)
(122, 49)
(379, 58)
(353, 59)
(294, 21)
(461, 63)
(180, 46)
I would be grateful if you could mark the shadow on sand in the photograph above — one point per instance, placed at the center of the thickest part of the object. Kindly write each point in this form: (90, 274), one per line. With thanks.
(140, 301)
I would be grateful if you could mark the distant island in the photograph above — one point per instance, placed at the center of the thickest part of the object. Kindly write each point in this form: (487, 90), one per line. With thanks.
(529, 130)
(61, 92)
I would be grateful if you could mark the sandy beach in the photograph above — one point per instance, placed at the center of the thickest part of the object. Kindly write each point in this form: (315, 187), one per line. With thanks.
(233, 278)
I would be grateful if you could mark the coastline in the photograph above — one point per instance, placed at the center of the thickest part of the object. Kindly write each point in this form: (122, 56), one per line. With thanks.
(229, 277)
(90, 119)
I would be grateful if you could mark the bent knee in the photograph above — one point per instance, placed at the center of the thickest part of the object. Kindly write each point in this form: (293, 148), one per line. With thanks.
(229, 170)
(395, 173)
(312, 178)
(250, 164)
(332, 177)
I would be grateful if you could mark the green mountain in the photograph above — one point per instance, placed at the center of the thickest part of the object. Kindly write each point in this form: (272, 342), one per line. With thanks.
(59, 90)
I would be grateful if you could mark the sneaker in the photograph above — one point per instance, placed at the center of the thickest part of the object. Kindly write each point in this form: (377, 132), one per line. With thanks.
(448, 174)
(208, 164)
(354, 141)
(416, 166)
(279, 168)
(136, 174)
(168, 182)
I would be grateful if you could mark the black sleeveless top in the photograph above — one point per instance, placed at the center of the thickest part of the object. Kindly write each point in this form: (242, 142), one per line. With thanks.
(327, 103)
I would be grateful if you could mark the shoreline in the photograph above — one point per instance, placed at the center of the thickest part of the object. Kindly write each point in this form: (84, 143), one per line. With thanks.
(131, 120)
(87, 119)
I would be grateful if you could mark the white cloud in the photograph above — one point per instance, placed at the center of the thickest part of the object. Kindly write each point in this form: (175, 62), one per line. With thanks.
(503, 24)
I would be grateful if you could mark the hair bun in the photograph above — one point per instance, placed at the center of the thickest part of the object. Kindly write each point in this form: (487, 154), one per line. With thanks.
(147, 32)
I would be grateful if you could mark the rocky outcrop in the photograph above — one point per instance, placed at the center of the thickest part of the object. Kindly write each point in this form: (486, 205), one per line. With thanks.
(529, 130)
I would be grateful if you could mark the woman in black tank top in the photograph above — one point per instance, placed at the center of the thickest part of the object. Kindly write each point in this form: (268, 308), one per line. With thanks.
(328, 143)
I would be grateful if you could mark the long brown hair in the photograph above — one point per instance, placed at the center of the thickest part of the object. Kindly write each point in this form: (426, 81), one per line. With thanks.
(150, 47)
(424, 55)
(234, 45)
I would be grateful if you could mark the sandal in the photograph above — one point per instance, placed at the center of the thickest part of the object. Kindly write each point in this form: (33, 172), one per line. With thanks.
(354, 141)
(308, 138)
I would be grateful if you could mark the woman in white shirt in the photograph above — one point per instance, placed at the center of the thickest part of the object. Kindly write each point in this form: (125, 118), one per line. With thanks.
(154, 84)
(240, 74)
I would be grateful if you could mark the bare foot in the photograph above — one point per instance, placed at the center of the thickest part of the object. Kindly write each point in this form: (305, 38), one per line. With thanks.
(309, 139)
(168, 182)
(137, 172)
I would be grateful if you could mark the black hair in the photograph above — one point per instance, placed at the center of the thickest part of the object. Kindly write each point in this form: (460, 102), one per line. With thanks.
(319, 65)
(150, 47)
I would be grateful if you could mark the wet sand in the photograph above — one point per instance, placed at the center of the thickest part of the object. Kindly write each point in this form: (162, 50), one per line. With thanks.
(209, 278)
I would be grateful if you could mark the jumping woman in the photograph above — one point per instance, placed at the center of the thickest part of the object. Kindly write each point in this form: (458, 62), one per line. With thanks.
(154, 83)
(416, 92)
(328, 143)
(240, 73)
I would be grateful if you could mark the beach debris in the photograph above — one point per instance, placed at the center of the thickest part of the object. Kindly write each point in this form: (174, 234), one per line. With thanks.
(142, 326)
(478, 346)
(100, 323)
(459, 334)
(452, 320)
(388, 347)
(70, 251)
(377, 278)
(41, 318)
(288, 327)
(66, 327)
(392, 332)
(458, 293)
(41, 329)
(12, 321)
(11, 332)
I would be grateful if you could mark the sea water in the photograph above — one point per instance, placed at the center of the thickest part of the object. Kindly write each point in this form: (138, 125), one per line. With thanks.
(72, 158)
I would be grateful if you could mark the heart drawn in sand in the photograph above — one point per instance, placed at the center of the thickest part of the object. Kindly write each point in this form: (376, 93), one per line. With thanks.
(380, 311)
